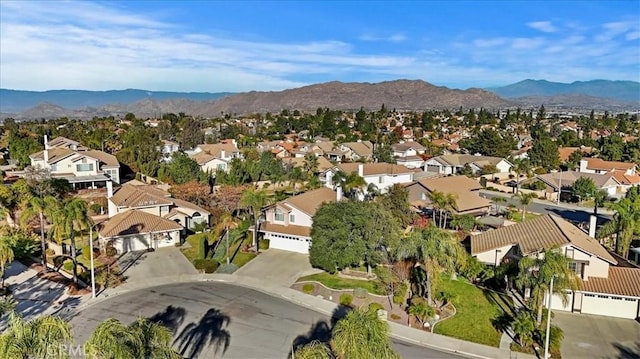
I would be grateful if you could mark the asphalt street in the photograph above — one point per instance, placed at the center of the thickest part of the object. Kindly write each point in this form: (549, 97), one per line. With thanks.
(570, 212)
(212, 319)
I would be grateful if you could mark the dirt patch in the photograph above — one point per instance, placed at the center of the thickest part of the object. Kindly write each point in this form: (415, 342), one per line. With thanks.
(56, 277)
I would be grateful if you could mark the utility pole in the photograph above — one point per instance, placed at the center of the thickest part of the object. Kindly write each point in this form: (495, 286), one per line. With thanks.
(559, 188)
(546, 340)
(93, 270)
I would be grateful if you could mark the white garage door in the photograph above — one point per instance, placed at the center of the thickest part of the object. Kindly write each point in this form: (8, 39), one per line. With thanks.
(610, 306)
(128, 244)
(289, 243)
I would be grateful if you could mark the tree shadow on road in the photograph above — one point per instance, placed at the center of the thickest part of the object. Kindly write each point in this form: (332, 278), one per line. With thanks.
(627, 351)
(209, 330)
(172, 318)
(319, 331)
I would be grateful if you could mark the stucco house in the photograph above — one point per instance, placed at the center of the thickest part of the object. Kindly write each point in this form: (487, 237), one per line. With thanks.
(151, 200)
(287, 224)
(213, 157)
(609, 287)
(453, 164)
(465, 189)
(136, 230)
(566, 179)
(82, 167)
(168, 148)
(597, 165)
(409, 154)
(382, 175)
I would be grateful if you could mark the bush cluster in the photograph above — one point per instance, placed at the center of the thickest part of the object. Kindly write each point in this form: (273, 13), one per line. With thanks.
(346, 299)
(206, 265)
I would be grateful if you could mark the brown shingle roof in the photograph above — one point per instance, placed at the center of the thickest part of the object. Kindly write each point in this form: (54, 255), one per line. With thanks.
(136, 222)
(621, 281)
(323, 163)
(55, 154)
(140, 196)
(450, 184)
(375, 169)
(568, 178)
(600, 164)
(363, 149)
(290, 229)
(202, 158)
(545, 232)
(309, 202)
(217, 148)
(107, 159)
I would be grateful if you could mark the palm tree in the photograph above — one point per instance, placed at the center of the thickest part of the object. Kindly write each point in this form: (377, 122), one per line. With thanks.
(438, 249)
(226, 221)
(521, 166)
(255, 200)
(599, 198)
(525, 200)
(449, 206)
(314, 350)
(536, 273)
(437, 199)
(625, 223)
(140, 340)
(497, 200)
(524, 326)
(421, 310)
(353, 184)
(41, 338)
(6, 256)
(71, 215)
(295, 175)
(362, 335)
(43, 208)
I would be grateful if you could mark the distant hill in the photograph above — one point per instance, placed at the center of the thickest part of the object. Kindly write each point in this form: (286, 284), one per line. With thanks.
(578, 103)
(627, 91)
(15, 101)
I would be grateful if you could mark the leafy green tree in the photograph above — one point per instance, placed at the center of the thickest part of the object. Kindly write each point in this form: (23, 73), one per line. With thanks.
(6, 256)
(521, 167)
(140, 340)
(21, 145)
(44, 337)
(314, 350)
(489, 143)
(362, 335)
(584, 188)
(525, 200)
(383, 153)
(612, 148)
(181, 169)
(536, 272)
(544, 153)
(465, 222)
(626, 221)
(352, 184)
(438, 249)
(397, 201)
(574, 160)
(310, 164)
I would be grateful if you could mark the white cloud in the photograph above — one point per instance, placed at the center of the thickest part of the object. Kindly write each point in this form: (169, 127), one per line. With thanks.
(544, 26)
(399, 37)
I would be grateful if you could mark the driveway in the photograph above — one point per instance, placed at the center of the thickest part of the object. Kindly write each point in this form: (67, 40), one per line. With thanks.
(592, 336)
(280, 268)
(163, 262)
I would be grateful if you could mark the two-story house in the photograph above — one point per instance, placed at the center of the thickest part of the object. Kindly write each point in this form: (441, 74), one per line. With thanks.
(82, 167)
(453, 164)
(607, 288)
(213, 157)
(597, 165)
(287, 224)
(382, 175)
(408, 154)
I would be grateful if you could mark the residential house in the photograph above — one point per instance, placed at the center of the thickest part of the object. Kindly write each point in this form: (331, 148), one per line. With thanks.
(323, 163)
(287, 224)
(566, 179)
(213, 157)
(157, 202)
(357, 151)
(82, 167)
(168, 148)
(136, 230)
(409, 154)
(453, 164)
(465, 190)
(597, 165)
(381, 175)
(565, 152)
(609, 287)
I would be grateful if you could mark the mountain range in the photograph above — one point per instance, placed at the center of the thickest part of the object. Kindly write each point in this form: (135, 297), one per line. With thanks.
(399, 94)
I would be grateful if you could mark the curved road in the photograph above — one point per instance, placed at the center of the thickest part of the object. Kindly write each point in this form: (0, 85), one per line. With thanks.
(206, 315)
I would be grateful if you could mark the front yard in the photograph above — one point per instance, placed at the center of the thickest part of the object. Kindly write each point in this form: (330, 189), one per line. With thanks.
(238, 256)
(334, 282)
(476, 312)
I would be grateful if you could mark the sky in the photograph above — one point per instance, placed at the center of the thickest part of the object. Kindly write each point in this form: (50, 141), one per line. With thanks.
(237, 46)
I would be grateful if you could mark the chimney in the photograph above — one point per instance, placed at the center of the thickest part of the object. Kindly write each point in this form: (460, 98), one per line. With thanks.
(361, 170)
(593, 221)
(339, 193)
(46, 151)
(222, 153)
(109, 189)
(329, 181)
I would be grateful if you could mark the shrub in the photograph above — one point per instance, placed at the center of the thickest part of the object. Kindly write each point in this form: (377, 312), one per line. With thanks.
(110, 250)
(395, 316)
(264, 244)
(360, 293)
(399, 293)
(374, 307)
(95, 208)
(67, 265)
(210, 265)
(308, 288)
(199, 263)
(50, 252)
(346, 299)
(84, 253)
(227, 268)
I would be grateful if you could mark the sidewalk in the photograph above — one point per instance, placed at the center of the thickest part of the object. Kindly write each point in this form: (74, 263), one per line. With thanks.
(412, 335)
(563, 205)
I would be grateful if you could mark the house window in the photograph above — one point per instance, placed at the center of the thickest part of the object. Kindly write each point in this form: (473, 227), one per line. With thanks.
(220, 166)
(573, 266)
(423, 196)
(292, 218)
(84, 167)
(53, 167)
(381, 179)
(278, 215)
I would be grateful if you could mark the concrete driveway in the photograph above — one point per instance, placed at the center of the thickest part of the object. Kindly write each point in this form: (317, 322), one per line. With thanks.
(280, 268)
(592, 336)
(163, 262)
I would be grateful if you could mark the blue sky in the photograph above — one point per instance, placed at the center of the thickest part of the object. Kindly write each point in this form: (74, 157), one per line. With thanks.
(242, 46)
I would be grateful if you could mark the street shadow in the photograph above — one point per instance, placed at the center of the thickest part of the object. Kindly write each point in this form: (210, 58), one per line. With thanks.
(130, 259)
(33, 295)
(67, 309)
(210, 330)
(578, 216)
(319, 331)
(626, 351)
(171, 318)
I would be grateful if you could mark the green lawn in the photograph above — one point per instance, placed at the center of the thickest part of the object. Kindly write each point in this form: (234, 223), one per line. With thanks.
(194, 241)
(335, 282)
(475, 310)
(87, 261)
(517, 216)
(240, 258)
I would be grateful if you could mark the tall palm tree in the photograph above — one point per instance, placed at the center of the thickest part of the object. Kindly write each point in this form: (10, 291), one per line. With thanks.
(255, 200)
(72, 214)
(437, 200)
(625, 223)
(140, 340)
(362, 335)
(41, 338)
(45, 209)
(525, 200)
(535, 273)
(449, 206)
(6, 256)
(438, 249)
(353, 184)
(520, 167)
(225, 223)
